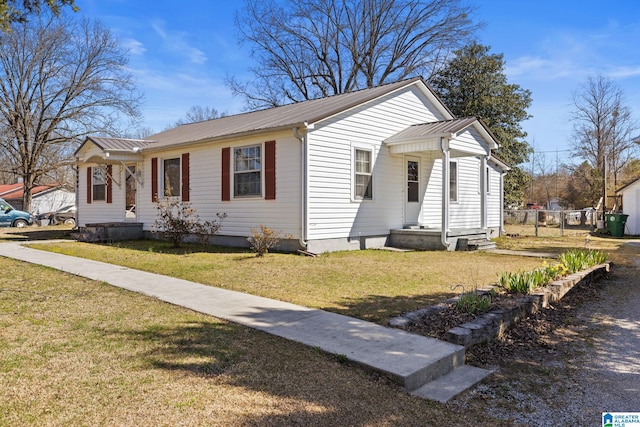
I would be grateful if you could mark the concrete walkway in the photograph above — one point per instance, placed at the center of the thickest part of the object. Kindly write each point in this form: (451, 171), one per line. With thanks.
(424, 366)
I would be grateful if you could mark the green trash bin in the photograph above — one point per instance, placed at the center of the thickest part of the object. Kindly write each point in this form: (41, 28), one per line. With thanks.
(616, 223)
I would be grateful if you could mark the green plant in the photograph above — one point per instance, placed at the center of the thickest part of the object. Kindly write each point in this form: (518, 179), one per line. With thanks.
(474, 302)
(580, 259)
(177, 220)
(264, 238)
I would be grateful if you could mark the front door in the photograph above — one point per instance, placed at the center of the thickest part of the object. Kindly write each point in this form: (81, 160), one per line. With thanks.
(130, 192)
(413, 195)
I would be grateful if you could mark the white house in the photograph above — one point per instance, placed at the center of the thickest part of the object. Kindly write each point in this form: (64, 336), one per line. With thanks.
(631, 206)
(379, 166)
(45, 198)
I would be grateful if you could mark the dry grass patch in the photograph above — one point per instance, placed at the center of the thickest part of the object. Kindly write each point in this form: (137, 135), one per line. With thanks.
(373, 285)
(77, 352)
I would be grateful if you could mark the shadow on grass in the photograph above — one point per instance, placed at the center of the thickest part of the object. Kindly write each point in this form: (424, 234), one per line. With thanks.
(36, 233)
(307, 386)
(380, 309)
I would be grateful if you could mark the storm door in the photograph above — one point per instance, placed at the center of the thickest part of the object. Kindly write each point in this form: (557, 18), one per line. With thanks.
(413, 201)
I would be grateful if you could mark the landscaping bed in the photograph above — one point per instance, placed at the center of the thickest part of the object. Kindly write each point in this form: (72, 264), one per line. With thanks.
(466, 325)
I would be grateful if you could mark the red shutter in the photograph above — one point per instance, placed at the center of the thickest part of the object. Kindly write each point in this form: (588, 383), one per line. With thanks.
(226, 160)
(89, 177)
(185, 177)
(109, 184)
(270, 170)
(154, 179)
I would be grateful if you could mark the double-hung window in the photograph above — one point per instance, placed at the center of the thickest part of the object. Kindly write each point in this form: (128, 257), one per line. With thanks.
(98, 184)
(363, 188)
(171, 177)
(247, 171)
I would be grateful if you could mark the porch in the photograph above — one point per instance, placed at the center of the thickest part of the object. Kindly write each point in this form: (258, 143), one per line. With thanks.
(109, 232)
(425, 238)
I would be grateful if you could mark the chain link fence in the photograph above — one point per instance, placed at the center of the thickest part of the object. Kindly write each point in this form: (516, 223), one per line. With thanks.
(548, 223)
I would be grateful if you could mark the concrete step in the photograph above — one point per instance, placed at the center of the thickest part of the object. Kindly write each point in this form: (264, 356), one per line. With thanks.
(475, 244)
(448, 386)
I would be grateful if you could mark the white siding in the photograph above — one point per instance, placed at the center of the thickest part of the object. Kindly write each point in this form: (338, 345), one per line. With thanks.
(465, 213)
(101, 211)
(494, 198)
(52, 201)
(432, 205)
(631, 207)
(333, 213)
(283, 213)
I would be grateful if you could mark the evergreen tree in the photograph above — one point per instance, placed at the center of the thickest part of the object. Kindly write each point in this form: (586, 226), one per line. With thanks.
(473, 83)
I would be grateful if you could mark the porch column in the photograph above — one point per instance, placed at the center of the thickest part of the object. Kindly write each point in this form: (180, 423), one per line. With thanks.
(446, 189)
(483, 192)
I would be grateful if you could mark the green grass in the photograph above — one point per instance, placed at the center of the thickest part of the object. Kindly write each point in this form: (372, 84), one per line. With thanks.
(373, 285)
(78, 352)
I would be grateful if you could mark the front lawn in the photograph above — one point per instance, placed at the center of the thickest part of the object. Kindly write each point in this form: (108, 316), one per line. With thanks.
(75, 352)
(374, 285)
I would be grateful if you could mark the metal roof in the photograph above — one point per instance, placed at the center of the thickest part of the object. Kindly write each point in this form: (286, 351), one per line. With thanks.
(287, 116)
(118, 143)
(432, 129)
(291, 115)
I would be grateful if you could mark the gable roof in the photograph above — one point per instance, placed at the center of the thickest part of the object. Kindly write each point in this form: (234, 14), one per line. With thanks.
(443, 128)
(624, 187)
(300, 114)
(284, 117)
(15, 191)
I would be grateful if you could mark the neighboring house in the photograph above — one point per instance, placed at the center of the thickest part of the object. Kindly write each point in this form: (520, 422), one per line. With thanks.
(631, 206)
(350, 171)
(45, 198)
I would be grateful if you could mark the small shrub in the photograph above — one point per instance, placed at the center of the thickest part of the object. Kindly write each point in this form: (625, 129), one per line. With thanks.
(177, 220)
(473, 302)
(264, 238)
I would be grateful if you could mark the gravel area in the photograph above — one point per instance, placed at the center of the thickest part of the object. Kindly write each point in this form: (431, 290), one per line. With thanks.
(567, 365)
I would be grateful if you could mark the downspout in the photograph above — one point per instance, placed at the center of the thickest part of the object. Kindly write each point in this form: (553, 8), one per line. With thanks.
(502, 230)
(76, 169)
(303, 205)
(444, 147)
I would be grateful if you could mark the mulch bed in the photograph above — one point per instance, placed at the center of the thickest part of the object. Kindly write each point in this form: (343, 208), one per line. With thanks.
(530, 335)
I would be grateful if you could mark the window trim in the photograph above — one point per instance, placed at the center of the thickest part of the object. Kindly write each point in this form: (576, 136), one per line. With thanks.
(355, 173)
(454, 182)
(93, 184)
(233, 173)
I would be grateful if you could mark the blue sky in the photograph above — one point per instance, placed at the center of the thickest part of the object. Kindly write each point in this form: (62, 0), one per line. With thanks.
(182, 51)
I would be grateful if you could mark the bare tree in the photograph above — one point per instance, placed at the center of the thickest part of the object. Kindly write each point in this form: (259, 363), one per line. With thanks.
(18, 10)
(60, 80)
(197, 113)
(307, 49)
(602, 128)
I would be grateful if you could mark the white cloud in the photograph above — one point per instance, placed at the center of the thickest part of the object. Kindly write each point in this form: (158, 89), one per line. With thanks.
(176, 42)
(134, 46)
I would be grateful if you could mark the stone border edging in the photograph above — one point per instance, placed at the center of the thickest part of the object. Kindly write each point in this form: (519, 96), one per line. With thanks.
(491, 325)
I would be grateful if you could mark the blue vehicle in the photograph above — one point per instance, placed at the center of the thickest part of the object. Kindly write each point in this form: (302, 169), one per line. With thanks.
(10, 217)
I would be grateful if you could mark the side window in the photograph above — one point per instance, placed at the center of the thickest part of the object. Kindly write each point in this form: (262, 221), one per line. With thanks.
(247, 171)
(363, 188)
(98, 184)
(453, 181)
(488, 175)
(171, 177)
